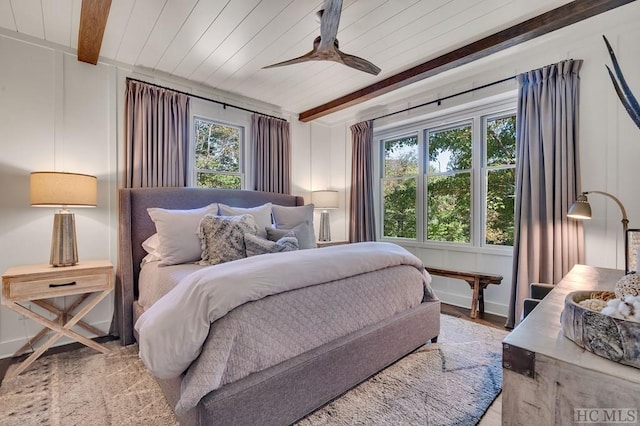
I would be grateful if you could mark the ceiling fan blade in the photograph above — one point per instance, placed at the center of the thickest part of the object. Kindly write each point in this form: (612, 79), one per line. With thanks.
(310, 56)
(358, 63)
(329, 22)
(325, 47)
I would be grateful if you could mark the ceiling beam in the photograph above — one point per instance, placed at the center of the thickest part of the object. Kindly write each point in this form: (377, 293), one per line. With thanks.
(560, 17)
(93, 21)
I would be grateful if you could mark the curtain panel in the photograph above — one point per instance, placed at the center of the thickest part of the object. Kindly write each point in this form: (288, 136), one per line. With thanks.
(361, 216)
(157, 136)
(547, 244)
(271, 154)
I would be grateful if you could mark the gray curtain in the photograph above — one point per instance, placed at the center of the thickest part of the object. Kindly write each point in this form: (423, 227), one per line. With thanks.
(271, 154)
(157, 136)
(361, 217)
(547, 244)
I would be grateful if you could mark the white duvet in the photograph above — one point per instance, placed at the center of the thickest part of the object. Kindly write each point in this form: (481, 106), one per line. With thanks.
(173, 330)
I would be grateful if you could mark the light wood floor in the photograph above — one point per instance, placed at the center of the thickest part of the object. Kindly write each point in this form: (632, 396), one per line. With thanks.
(493, 416)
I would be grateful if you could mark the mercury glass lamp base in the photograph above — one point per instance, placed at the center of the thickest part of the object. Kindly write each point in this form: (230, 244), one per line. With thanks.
(325, 232)
(64, 249)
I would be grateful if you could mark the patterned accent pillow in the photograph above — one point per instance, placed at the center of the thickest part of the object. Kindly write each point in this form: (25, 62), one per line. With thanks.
(256, 245)
(222, 237)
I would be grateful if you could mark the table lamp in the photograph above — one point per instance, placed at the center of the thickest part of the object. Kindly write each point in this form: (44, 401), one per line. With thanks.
(324, 200)
(63, 190)
(581, 209)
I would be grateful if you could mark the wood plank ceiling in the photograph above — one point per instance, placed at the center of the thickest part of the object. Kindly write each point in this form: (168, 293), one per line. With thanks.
(224, 44)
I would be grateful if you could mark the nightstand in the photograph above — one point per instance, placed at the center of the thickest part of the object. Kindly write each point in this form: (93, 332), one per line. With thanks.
(32, 283)
(331, 243)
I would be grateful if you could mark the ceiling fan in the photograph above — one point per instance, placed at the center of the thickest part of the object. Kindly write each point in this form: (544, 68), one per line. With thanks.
(325, 47)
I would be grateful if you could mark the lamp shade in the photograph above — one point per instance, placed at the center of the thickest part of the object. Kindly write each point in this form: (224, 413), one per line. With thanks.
(581, 209)
(56, 189)
(325, 199)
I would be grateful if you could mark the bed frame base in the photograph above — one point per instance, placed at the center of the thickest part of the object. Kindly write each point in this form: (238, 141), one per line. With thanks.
(287, 392)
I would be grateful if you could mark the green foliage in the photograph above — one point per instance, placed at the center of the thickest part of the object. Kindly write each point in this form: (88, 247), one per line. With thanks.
(454, 143)
(400, 208)
(501, 182)
(212, 180)
(401, 159)
(500, 207)
(449, 195)
(448, 203)
(217, 150)
(449, 208)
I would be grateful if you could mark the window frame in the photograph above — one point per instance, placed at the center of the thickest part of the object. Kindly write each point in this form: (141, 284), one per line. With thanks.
(193, 175)
(485, 168)
(477, 114)
(383, 179)
(425, 173)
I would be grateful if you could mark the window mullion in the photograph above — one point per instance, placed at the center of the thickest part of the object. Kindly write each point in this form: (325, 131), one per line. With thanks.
(421, 211)
(478, 193)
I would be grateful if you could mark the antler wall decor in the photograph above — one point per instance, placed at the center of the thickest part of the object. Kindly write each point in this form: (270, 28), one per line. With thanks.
(622, 88)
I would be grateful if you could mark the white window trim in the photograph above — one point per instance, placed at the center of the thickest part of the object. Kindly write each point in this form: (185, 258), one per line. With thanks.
(193, 171)
(443, 119)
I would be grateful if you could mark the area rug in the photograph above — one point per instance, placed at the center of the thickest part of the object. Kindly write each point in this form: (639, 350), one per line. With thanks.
(451, 382)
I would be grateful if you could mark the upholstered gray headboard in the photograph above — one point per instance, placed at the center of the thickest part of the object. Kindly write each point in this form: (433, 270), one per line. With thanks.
(135, 226)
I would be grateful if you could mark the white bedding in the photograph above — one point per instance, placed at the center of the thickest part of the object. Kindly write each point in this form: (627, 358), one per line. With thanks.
(173, 330)
(155, 281)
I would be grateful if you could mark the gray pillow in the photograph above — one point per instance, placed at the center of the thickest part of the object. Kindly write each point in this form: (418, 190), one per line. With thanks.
(297, 219)
(256, 245)
(301, 232)
(222, 237)
(261, 214)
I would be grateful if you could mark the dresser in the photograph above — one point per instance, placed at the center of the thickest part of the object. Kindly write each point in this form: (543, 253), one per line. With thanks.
(549, 380)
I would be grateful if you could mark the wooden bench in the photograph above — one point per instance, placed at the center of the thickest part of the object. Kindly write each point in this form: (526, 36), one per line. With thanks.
(478, 281)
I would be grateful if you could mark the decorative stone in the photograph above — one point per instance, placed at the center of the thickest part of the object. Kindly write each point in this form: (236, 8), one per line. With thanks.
(612, 338)
(629, 284)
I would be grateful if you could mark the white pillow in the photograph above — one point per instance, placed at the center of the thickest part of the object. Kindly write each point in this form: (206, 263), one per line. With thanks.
(297, 219)
(222, 237)
(177, 233)
(261, 214)
(150, 245)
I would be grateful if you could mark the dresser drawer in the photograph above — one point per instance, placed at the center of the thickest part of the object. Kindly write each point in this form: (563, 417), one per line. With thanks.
(45, 287)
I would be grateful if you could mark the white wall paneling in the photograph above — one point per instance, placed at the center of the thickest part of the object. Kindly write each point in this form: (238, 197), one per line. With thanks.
(56, 115)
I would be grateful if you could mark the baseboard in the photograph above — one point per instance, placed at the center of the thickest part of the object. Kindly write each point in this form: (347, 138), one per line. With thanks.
(465, 302)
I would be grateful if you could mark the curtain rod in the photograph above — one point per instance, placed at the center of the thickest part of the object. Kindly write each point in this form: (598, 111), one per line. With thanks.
(439, 100)
(224, 104)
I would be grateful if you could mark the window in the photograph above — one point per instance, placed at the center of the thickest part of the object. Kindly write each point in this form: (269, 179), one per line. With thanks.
(218, 154)
(450, 179)
(399, 186)
(500, 167)
(449, 184)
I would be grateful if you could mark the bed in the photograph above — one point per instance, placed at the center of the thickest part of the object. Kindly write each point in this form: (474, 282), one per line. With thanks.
(297, 385)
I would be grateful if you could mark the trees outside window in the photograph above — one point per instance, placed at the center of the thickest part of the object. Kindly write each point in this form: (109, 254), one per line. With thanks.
(451, 183)
(218, 155)
(500, 169)
(448, 200)
(399, 186)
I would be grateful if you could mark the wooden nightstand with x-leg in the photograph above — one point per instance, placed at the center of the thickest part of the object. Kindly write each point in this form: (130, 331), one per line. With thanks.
(33, 283)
